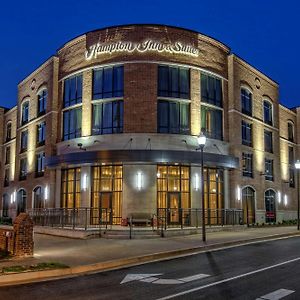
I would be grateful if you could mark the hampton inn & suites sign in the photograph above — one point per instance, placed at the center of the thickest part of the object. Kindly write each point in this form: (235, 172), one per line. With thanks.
(145, 46)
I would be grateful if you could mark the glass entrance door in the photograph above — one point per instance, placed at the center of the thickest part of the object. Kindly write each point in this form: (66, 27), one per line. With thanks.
(174, 208)
(105, 207)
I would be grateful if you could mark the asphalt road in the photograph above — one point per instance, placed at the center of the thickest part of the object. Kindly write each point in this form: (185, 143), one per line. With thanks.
(268, 270)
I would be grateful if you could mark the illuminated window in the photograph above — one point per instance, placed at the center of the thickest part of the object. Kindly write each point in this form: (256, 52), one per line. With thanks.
(246, 133)
(71, 188)
(24, 140)
(73, 90)
(268, 112)
(42, 102)
(108, 82)
(269, 169)
(211, 90)
(25, 113)
(41, 134)
(72, 124)
(212, 122)
(173, 82)
(246, 102)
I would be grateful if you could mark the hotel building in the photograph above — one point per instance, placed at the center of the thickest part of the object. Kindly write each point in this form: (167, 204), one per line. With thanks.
(111, 121)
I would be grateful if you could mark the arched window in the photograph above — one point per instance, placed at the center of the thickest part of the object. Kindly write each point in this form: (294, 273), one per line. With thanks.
(248, 199)
(21, 201)
(25, 113)
(268, 112)
(37, 198)
(270, 197)
(8, 131)
(290, 131)
(42, 102)
(5, 205)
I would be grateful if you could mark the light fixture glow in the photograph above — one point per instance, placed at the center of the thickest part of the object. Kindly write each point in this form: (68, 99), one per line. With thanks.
(297, 164)
(46, 193)
(13, 197)
(139, 180)
(197, 182)
(238, 193)
(279, 197)
(158, 174)
(201, 139)
(84, 182)
(285, 200)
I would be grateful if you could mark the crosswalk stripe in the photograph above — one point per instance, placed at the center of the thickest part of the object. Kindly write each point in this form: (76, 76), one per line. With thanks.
(276, 295)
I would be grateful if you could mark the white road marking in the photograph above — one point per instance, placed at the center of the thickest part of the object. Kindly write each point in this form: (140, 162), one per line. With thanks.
(276, 295)
(194, 277)
(168, 281)
(228, 279)
(133, 277)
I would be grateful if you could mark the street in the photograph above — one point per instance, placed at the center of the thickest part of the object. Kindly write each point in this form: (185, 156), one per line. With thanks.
(266, 270)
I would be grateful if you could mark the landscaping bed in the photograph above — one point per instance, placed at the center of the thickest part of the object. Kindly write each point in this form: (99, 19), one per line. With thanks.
(32, 268)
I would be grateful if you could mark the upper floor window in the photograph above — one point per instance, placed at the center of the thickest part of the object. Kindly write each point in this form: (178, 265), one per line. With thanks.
(268, 112)
(24, 140)
(212, 122)
(247, 160)
(107, 117)
(6, 177)
(40, 164)
(25, 113)
(173, 117)
(211, 90)
(290, 131)
(246, 102)
(108, 82)
(73, 90)
(23, 168)
(246, 133)
(7, 155)
(41, 134)
(8, 131)
(268, 141)
(269, 170)
(42, 102)
(173, 82)
(291, 167)
(72, 124)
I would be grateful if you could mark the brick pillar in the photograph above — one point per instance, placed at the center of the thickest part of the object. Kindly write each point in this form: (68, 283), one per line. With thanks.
(23, 232)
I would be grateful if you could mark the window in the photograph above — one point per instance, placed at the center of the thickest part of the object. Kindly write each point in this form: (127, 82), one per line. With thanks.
(268, 141)
(71, 188)
(290, 131)
(270, 206)
(40, 164)
(107, 117)
(7, 155)
(72, 124)
(25, 113)
(246, 101)
(5, 205)
(173, 117)
(291, 167)
(246, 134)
(268, 118)
(108, 82)
(21, 201)
(211, 90)
(8, 132)
(247, 164)
(42, 102)
(269, 169)
(173, 82)
(6, 177)
(37, 198)
(73, 91)
(24, 140)
(41, 134)
(212, 122)
(23, 168)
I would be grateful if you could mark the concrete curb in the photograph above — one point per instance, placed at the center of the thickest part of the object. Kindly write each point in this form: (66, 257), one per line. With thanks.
(21, 278)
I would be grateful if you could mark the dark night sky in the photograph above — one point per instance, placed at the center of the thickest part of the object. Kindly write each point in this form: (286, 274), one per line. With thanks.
(263, 32)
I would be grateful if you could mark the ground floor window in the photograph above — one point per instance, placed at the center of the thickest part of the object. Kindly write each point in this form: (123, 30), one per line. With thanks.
(37, 198)
(106, 194)
(5, 205)
(270, 206)
(248, 199)
(71, 190)
(21, 201)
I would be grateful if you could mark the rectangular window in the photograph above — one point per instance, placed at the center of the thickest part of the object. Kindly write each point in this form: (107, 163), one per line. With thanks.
(211, 90)
(42, 102)
(268, 118)
(291, 167)
(73, 90)
(247, 160)
(108, 82)
(23, 168)
(173, 82)
(212, 122)
(268, 141)
(269, 175)
(71, 188)
(7, 155)
(25, 113)
(246, 101)
(41, 134)
(173, 117)
(246, 134)
(6, 177)
(72, 124)
(40, 164)
(8, 132)
(107, 117)
(24, 140)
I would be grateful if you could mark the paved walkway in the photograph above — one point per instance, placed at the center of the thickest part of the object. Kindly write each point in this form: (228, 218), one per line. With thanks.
(76, 252)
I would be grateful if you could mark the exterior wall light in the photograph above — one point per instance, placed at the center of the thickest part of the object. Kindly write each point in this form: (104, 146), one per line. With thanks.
(285, 200)
(197, 181)
(139, 180)
(13, 197)
(238, 193)
(279, 197)
(46, 192)
(84, 182)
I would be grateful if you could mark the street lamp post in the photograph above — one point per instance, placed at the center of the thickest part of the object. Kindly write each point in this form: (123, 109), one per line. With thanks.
(201, 142)
(297, 166)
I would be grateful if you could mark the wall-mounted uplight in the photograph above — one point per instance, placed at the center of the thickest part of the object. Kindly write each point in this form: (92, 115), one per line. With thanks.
(158, 175)
(46, 192)
(139, 180)
(285, 200)
(13, 197)
(84, 182)
(279, 197)
(197, 182)
(238, 193)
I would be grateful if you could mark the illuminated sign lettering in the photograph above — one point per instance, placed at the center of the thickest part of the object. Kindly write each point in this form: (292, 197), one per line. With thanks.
(145, 46)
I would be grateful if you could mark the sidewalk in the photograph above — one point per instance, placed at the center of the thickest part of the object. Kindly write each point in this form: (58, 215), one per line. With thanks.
(99, 254)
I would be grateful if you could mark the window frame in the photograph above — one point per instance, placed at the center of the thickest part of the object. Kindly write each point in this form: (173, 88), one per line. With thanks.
(42, 94)
(246, 126)
(269, 162)
(246, 171)
(243, 110)
(206, 98)
(69, 103)
(270, 133)
(25, 102)
(269, 122)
